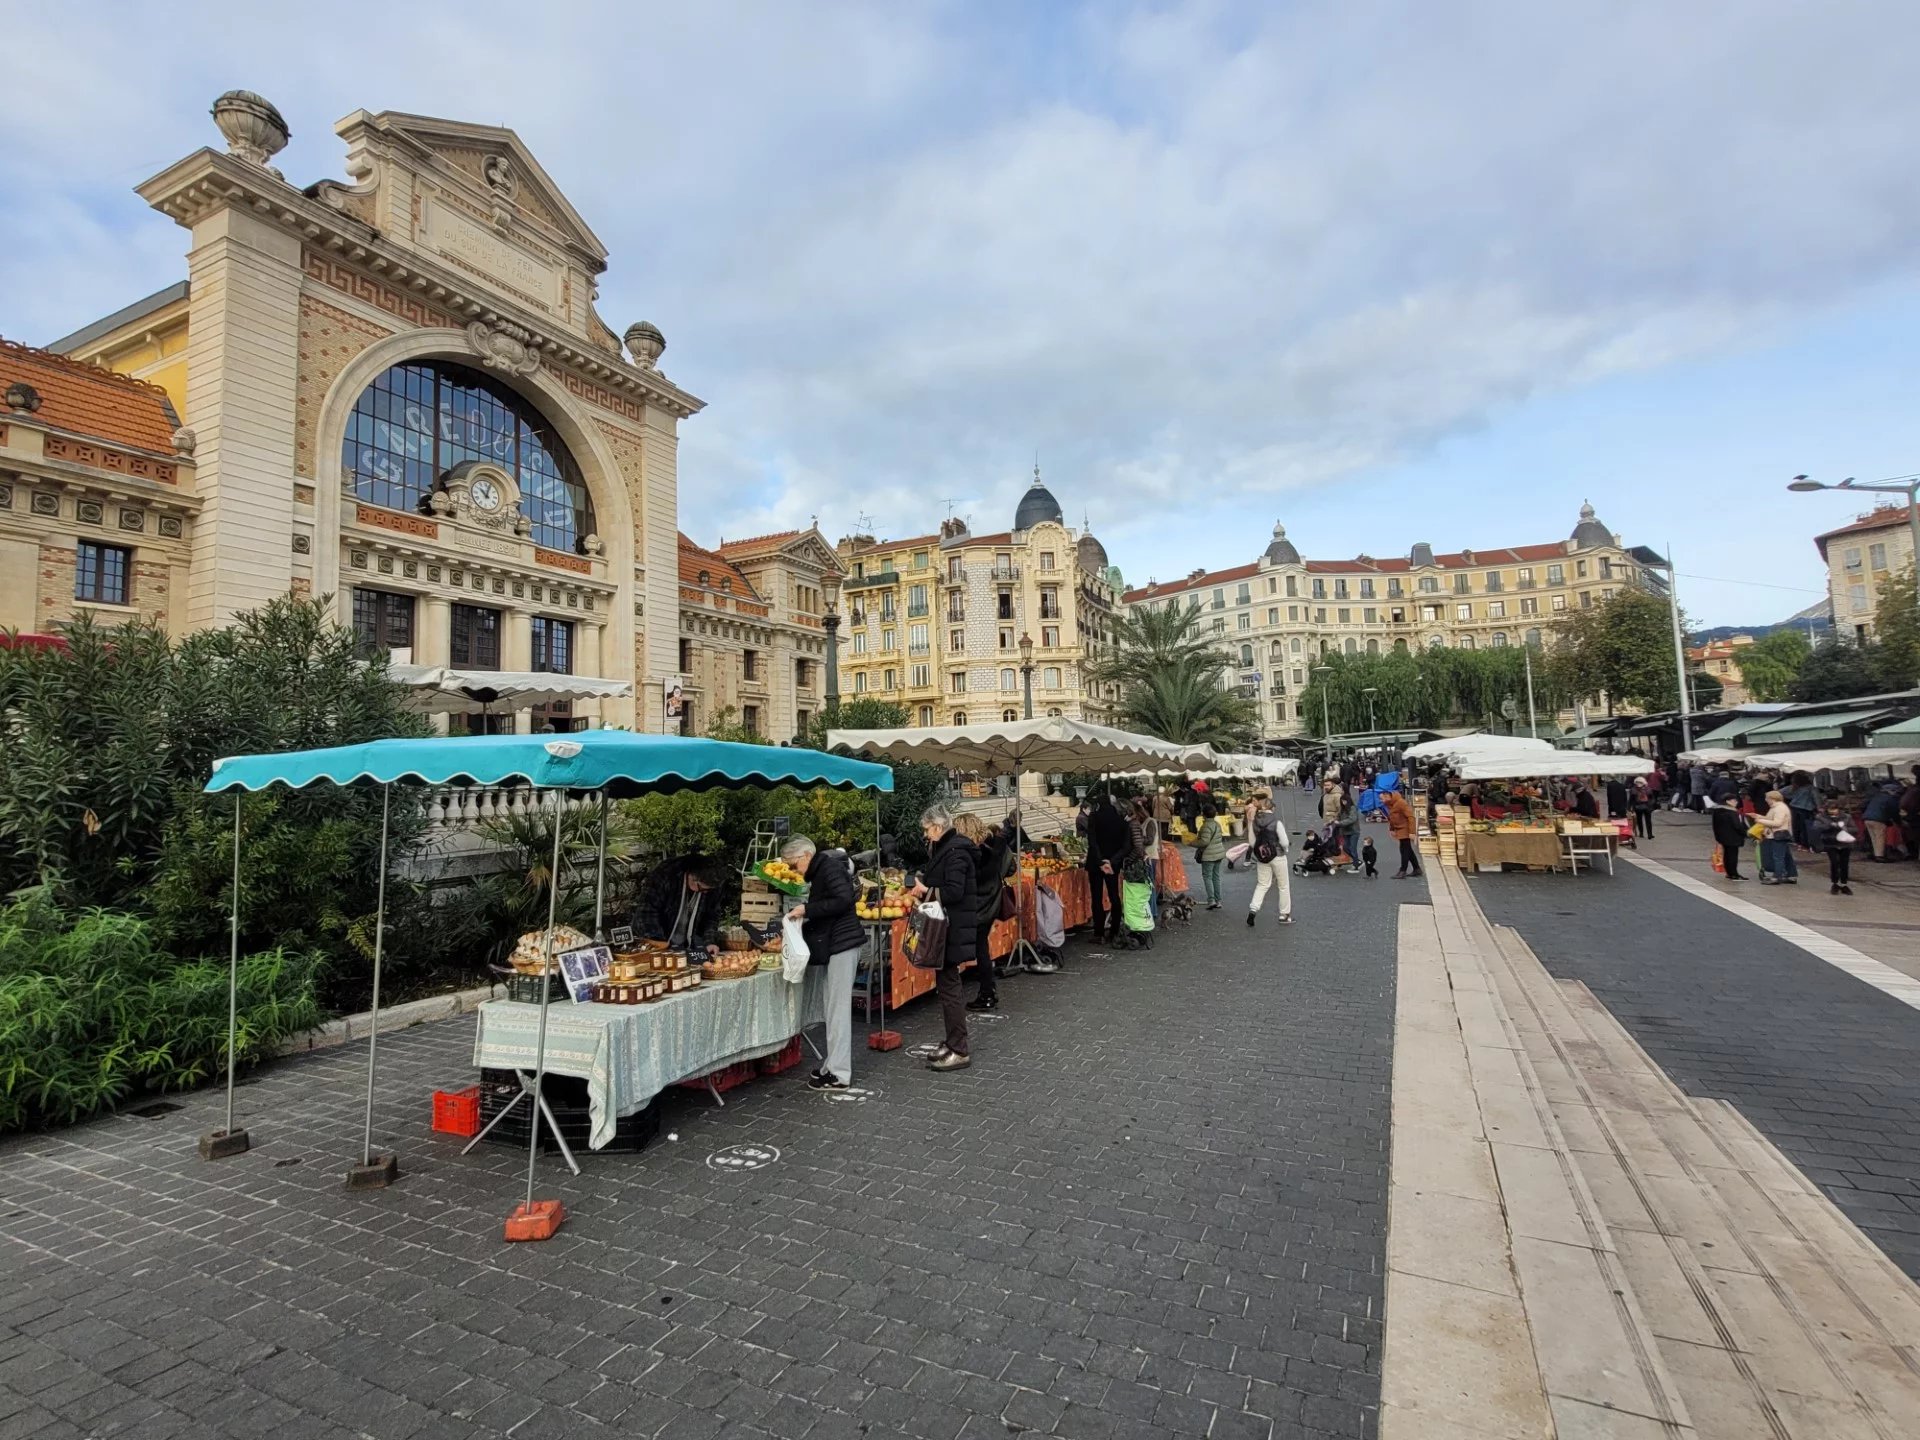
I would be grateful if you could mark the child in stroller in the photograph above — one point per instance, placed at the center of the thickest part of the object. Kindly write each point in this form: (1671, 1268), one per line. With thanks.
(1320, 853)
(1136, 901)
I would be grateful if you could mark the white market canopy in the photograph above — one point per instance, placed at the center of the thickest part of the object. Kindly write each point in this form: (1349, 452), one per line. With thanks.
(1855, 759)
(441, 690)
(1549, 763)
(1458, 749)
(1050, 744)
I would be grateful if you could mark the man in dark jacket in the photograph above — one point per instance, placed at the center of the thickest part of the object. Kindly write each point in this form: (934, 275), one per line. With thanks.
(1730, 834)
(1109, 844)
(677, 905)
(948, 876)
(834, 937)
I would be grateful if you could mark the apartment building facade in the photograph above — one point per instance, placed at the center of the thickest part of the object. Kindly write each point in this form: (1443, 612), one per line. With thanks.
(1274, 617)
(935, 623)
(1858, 557)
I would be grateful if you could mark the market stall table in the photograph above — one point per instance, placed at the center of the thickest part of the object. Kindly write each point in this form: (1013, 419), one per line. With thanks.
(1540, 848)
(627, 1054)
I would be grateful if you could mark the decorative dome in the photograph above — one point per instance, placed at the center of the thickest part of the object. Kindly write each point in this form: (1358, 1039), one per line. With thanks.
(1590, 532)
(1093, 555)
(1036, 505)
(1281, 551)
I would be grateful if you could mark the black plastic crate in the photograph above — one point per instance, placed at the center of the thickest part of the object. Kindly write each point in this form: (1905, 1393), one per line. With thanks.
(527, 988)
(567, 1098)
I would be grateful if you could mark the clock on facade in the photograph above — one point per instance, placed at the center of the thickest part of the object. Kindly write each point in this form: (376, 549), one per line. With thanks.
(485, 494)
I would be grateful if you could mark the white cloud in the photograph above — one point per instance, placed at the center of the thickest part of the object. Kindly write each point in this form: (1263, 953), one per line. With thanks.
(1201, 253)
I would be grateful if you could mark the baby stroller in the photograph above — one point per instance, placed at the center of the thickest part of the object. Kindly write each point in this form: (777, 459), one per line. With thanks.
(1136, 905)
(1313, 854)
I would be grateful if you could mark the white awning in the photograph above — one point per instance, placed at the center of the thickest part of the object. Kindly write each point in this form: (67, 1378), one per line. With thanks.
(1552, 763)
(1855, 759)
(1050, 744)
(440, 690)
(1460, 748)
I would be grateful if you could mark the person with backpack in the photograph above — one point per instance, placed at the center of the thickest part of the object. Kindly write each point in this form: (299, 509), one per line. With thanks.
(1209, 850)
(1269, 839)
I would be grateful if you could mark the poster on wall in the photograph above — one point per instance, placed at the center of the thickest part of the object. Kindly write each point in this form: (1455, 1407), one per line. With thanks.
(675, 689)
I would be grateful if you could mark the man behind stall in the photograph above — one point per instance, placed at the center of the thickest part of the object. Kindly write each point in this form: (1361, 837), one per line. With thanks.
(677, 904)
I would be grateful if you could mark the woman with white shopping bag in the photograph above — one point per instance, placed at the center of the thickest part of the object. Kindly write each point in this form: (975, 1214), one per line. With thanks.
(948, 881)
(829, 934)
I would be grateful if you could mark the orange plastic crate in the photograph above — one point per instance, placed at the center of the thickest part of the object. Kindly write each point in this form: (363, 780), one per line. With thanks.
(457, 1112)
(538, 1221)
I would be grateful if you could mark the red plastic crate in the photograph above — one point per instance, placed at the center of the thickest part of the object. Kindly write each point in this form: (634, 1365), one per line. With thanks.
(731, 1078)
(457, 1112)
(538, 1221)
(783, 1059)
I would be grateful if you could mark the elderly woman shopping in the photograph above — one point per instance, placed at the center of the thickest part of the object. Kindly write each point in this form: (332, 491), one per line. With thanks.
(948, 877)
(834, 937)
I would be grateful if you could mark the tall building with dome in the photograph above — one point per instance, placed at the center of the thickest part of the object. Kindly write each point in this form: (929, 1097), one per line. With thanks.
(1277, 615)
(935, 623)
(394, 390)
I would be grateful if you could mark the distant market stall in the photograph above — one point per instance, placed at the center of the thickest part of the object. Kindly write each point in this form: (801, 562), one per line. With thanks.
(688, 1033)
(1016, 748)
(1507, 819)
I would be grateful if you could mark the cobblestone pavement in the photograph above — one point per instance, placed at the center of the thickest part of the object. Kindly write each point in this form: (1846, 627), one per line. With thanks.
(1827, 1066)
(1155, 1206)
(1881, 918)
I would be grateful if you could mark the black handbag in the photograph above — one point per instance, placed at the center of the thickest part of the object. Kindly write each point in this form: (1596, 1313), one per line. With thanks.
(926, 942)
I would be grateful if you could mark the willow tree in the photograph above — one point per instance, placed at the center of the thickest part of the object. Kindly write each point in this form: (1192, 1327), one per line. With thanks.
(1425, 690)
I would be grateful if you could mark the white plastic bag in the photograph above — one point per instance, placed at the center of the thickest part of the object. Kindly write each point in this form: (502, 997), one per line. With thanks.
(793, 951)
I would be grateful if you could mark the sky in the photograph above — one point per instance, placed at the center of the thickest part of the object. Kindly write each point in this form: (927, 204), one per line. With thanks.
(1385, 272)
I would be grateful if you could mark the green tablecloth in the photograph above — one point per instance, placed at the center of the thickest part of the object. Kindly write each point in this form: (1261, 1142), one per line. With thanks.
(628, 1054)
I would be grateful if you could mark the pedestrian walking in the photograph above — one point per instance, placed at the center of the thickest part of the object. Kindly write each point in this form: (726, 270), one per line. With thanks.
(834, 936)
(1401, 826)
(1109, 842)
(1269, 840)
(1617, 798)
(1643, 800)
(1210, 850)
(993, 862)
(1730, 834)
(1347, 817)
(1882, 810)
(1777, 865)
(949, 877)
(1829, 832)
(1803, 799)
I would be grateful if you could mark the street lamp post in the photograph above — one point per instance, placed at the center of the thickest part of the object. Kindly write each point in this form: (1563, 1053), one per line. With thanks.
(1533, 725)
(1026, 669)
(1326, 723)
(1373, 726)
(1907, 485)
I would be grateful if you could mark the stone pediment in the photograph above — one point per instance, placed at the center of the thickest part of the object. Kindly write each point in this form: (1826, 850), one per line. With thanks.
(813, 551)
(474, 197)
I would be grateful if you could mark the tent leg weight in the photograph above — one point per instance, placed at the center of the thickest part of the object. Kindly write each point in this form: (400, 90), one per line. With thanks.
(376, 1174)
(221, 1144)
(540, 1220)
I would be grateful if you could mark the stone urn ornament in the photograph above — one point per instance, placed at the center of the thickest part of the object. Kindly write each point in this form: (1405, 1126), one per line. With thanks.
(645, 343)
(254, 129)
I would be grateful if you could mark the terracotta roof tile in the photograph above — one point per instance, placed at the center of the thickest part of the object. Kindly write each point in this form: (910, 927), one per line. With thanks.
(88, 400)
(756, 542)
(1886, 517)
(695, 558)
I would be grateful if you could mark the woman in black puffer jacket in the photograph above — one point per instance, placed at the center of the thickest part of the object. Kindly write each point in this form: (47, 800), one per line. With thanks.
(948, 875)
(992, 863)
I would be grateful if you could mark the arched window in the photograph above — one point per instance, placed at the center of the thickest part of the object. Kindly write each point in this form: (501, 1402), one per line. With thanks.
(1009, 716)
(1436, 642)
(959, 717)
(418, 421)
(1054, 712)
(1352, 646)
(1499, 640)
(1533, 639)
(1373, 647)
(1008, 680)
(1246, 656)
(1466, 642)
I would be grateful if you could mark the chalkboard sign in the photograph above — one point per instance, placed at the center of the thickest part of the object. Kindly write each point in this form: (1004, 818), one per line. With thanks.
(623, 937)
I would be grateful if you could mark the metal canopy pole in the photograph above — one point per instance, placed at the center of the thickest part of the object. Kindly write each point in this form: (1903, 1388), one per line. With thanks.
(371, 1174)
(546, 990)
(600, 886)
(222, 1143)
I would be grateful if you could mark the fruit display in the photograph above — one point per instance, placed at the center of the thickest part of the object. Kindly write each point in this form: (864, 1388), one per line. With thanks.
(1037, 864)
(529, 951)
(770, 962)
(731, 966)
(883, 899)
(782, 877)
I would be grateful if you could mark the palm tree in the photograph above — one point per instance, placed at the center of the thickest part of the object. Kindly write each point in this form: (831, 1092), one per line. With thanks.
(1190, 707)
(1170, 673)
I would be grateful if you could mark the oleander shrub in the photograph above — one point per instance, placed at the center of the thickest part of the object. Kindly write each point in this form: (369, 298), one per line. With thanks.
(93, 1010)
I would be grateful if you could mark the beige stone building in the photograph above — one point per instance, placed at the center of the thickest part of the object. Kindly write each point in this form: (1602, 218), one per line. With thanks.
(97, 504)
(1275, 616)
(752, 632)
(395, 390)
(934, 623)
(1858, 557)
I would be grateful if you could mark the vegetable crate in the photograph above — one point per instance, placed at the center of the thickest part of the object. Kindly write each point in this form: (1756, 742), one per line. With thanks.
(457, 1112)
(782, 1060)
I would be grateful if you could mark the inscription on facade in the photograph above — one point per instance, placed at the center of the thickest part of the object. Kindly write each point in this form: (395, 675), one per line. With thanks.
(461, 239)
(575, 563)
